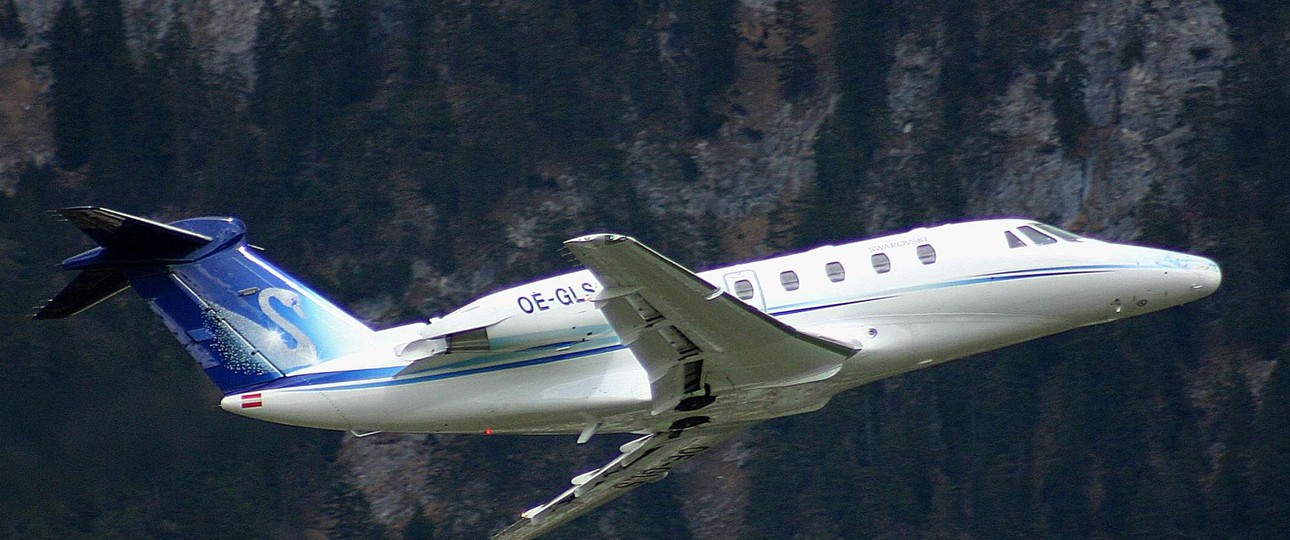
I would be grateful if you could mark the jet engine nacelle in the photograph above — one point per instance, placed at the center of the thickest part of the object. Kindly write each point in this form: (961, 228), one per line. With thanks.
(482, 329)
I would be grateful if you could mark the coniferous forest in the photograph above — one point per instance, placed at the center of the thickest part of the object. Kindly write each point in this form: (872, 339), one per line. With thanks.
(405, 156)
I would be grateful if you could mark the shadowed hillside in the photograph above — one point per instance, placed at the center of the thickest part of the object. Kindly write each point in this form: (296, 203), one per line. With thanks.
(405, 156)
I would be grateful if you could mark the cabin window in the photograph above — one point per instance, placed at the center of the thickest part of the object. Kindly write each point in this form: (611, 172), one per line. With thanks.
(1013, 241)
(1060, 233)
(1035, 236)
(835, 271)
(789, 280)
(926, 254)
(881, 263)
(744, 289)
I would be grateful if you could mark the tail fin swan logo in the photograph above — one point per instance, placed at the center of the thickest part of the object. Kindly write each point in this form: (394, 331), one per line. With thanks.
(270, 343)
(304, 353)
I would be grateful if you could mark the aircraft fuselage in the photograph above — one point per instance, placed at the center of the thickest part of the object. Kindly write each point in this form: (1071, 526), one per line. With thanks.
(540, 357)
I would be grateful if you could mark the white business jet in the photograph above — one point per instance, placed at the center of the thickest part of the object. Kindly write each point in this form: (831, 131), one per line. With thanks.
(633, 344)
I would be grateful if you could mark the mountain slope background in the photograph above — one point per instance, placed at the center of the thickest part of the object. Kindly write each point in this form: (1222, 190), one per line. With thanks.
(406, 156)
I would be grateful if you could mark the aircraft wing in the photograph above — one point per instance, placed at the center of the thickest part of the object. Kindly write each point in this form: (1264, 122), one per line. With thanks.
(694, 339)
(643, 461)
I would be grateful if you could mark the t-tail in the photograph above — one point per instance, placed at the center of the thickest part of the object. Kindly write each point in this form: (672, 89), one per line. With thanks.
(245, 321)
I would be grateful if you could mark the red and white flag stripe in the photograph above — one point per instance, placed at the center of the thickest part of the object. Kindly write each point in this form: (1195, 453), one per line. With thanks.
(251, 401)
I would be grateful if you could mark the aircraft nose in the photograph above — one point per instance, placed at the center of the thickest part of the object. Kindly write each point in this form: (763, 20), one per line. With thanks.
(1189, 277)
(1207, 279)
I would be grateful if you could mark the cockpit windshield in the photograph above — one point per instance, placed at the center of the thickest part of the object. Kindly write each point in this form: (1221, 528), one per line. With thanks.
(1060, 233)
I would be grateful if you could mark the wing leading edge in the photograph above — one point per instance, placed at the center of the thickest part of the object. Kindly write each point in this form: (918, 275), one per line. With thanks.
(694, 339)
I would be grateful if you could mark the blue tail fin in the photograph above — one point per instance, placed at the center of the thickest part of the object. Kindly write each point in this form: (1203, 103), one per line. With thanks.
(244, 320)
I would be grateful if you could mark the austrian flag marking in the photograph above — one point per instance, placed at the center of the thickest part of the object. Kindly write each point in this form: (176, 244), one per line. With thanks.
(251, 401)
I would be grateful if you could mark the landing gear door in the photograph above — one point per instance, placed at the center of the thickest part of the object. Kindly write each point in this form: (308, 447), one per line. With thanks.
(744, 286)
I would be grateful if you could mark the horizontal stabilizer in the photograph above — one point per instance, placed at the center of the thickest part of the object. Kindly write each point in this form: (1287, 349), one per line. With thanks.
(130, 236)
(88, 288)
(126, 241)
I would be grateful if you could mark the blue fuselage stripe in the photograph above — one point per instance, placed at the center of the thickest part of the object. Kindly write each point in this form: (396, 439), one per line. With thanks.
(378, 377)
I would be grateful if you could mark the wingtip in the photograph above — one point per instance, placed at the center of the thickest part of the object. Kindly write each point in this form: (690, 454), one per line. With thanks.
(69, 211)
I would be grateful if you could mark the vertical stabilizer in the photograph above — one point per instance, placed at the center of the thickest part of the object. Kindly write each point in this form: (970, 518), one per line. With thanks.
(244, 320)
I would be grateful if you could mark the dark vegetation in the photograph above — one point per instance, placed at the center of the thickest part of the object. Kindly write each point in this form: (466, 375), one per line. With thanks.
(107, 432)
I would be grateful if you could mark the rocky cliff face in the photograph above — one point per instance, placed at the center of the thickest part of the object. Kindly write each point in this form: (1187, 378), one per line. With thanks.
(223, 32)
(1083, 112)
(1142, 62)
